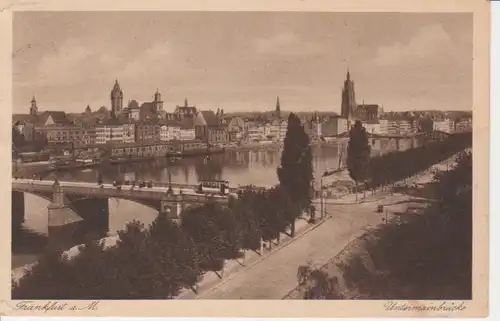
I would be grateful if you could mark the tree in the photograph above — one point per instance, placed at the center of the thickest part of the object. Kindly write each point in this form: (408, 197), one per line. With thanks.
(152, 263)
(248, 219)
(272, 217)
(282, 210)
(175, 256)
(92, 274)
(18, 139)
(358, 154)
(296, 172)
(201, 223)
(45, 280)
(319, 286)
(134, 266)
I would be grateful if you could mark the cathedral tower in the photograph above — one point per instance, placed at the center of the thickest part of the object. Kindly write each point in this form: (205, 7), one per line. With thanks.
(116, 100)
(348, 107)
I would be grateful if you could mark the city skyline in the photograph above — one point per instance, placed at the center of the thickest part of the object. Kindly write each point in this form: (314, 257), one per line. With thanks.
(414, 62)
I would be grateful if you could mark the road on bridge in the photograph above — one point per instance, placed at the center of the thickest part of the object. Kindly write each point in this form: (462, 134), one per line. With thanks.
(159, 189)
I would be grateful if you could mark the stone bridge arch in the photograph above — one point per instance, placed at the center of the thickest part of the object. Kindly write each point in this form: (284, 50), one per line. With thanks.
(18, 205)
(75, 215)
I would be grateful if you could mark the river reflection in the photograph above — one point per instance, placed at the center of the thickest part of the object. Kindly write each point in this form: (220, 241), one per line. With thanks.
(256, 167)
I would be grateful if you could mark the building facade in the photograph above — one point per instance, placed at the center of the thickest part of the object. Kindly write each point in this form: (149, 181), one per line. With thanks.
(368, 112)
(67, 134)
(147, 131)
(384, 126)
(463, 125)
(187, 134)
(236, 128)
(256, 132)
(185, 111)
(276, 130)
(372, 127)
(114, 132)
(170, 130)
(209, 128)
(333, 126)
(445, 125)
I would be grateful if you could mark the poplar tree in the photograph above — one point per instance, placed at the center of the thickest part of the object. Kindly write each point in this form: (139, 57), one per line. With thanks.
(358, 154)
(296, 172)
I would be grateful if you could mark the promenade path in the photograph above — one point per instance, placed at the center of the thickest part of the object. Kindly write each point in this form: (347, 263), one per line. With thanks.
(275, 276)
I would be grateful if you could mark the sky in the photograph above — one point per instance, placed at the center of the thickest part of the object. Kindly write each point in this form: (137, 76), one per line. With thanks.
(241, 61)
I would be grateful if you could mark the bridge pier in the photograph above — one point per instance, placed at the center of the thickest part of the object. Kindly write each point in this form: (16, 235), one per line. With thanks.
(74, 222)
(171, 208)
(64, 226)
(17, 212)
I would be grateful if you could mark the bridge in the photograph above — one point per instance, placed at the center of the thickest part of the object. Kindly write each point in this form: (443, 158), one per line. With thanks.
(79, 209)
(438, 135)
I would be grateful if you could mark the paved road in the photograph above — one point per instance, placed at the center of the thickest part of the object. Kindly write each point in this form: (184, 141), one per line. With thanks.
(275, 276)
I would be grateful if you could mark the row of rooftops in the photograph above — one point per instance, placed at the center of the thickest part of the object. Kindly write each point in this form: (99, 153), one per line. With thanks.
(102, 117)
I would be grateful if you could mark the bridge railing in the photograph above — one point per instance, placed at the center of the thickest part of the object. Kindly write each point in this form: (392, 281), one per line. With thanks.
(96, 191)
(390, 136)
(231, 189)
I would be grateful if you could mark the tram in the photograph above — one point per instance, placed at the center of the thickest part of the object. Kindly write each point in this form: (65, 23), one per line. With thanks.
(212, 186)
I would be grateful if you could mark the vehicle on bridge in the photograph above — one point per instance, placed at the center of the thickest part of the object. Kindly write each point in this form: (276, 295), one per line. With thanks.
(212, 186)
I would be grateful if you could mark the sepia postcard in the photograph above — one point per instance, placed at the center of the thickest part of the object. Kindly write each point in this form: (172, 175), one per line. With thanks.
(301, 158)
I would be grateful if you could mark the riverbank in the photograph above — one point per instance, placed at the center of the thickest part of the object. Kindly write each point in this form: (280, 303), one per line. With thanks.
(43, 168)
(408, 256)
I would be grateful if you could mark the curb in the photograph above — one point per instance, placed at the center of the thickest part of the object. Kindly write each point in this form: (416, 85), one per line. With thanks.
(263, 257)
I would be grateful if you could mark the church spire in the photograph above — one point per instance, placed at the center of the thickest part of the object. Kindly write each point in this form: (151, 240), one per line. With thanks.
(157, 95)
(34, 107)
(278, 108)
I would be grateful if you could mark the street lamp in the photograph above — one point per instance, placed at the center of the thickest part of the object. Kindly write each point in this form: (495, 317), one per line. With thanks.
(325, 174)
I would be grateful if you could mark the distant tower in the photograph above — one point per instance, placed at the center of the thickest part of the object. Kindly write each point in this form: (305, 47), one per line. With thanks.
(158, 103)
(116, 100)
(33, 108)
(348, 107)
(87, 110)
(277, 112)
